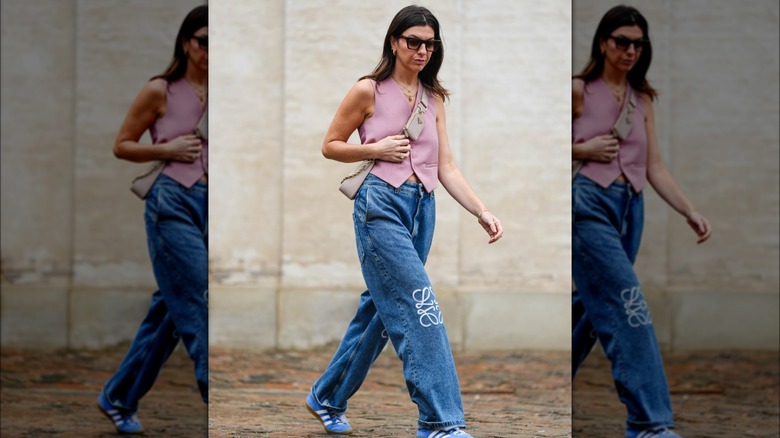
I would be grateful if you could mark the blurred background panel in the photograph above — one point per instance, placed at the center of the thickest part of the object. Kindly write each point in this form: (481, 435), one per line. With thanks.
(715, 65)
(75, 269)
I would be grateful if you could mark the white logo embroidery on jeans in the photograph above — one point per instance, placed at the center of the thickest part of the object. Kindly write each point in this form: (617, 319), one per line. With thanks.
(427, 307)
(636, 307)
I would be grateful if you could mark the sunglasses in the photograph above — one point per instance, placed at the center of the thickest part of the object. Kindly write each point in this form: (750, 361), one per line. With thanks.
(623, 43)
(414, 43)
(203, 42)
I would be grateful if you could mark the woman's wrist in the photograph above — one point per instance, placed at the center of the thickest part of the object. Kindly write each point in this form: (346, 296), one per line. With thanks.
(577, 152)
(371, 152)
(480, 212)
(161, 152)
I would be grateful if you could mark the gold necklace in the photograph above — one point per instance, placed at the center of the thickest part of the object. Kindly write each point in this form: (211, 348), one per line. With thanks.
(617, 91)
(200, 91)
(410, 93)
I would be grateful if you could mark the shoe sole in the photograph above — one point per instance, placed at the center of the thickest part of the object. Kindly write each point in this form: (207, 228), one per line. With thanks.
(317, 416)
(104, 412)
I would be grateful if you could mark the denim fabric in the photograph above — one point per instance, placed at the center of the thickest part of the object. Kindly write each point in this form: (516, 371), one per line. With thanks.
(176, 231)
(608, 302)
(394, 230)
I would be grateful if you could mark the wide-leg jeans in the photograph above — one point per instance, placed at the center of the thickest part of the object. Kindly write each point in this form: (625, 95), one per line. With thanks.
(177, 235)
(608, 303)
(394, 231)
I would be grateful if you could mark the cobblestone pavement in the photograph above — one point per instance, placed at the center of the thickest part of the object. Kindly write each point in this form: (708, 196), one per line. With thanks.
(509, 394)
(505, 394)
(714, 394)
(54, 393)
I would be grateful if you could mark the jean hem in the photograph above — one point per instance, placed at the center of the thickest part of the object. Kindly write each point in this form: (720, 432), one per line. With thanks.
(643, 425)
(438, 424)
(340, 411)
(118, 406)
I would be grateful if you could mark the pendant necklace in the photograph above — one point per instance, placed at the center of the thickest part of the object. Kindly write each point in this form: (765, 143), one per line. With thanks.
(409, 93)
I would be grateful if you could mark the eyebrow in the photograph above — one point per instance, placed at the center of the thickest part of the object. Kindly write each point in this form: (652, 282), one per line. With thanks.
(415, 36)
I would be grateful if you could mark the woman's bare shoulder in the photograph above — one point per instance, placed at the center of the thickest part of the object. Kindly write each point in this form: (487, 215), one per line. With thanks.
(157, 87)
(577, 87)
(363, 89)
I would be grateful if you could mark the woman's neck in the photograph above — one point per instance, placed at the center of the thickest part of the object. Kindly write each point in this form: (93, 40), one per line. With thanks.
(614, 76)
(405, 78)
(196, 76)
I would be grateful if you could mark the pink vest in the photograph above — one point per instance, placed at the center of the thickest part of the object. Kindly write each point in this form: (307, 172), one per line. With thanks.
(600, 112)
(182, 113)
(391, 111)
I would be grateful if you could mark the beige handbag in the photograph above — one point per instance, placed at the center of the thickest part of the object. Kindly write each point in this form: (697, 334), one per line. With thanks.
(144, 182)
(412, 129)
(620, 129)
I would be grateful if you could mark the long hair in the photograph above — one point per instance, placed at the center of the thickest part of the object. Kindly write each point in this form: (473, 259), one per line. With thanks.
(197, 18)
(407, 17)
(614, 18)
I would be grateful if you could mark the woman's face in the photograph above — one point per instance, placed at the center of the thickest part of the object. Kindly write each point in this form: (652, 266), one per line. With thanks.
(411, 58)
(623, 47)
(197, 49)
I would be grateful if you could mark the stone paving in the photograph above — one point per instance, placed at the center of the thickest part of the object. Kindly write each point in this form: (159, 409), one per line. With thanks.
(714, 394)
(505, 394)
(54, 393)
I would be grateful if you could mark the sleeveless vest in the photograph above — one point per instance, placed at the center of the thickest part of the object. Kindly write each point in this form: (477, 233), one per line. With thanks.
(391, 111)
(599, 113)
(182, 113)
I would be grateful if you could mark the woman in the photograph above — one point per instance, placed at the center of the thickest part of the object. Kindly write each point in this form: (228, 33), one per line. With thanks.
(170, 106)
(394, 220)
(608, 216)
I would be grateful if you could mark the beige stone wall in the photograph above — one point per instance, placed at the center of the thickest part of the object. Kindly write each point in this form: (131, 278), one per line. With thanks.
(284, 265)
(74, 266)
(75, 271)
(715, 64)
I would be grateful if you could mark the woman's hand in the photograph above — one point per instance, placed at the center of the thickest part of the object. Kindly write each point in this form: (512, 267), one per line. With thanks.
(492, 225)
(602, 148)
(186, 148)
(700, 225)
(393, 148)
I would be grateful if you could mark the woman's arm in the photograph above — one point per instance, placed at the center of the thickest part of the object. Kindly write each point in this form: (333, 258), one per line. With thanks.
(147, 107)
(357, 106)
(454, 182)
(603, 148)
(664, 183)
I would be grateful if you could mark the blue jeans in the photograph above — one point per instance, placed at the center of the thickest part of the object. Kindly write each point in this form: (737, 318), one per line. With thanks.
(176, 230)
(394, 230)
(608, 302)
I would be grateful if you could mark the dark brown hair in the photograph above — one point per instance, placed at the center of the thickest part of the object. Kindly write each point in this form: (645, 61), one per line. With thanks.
(407, 17)
(614, 18)
(197, 18)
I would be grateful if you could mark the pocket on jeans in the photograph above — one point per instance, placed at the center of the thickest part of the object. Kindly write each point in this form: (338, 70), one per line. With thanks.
(583, 197)
(376, 202)
(359, 242)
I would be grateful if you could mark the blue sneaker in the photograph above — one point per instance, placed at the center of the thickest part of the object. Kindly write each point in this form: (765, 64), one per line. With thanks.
(333, 422)
(453, 432)
(124, 423)
(660, 432)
